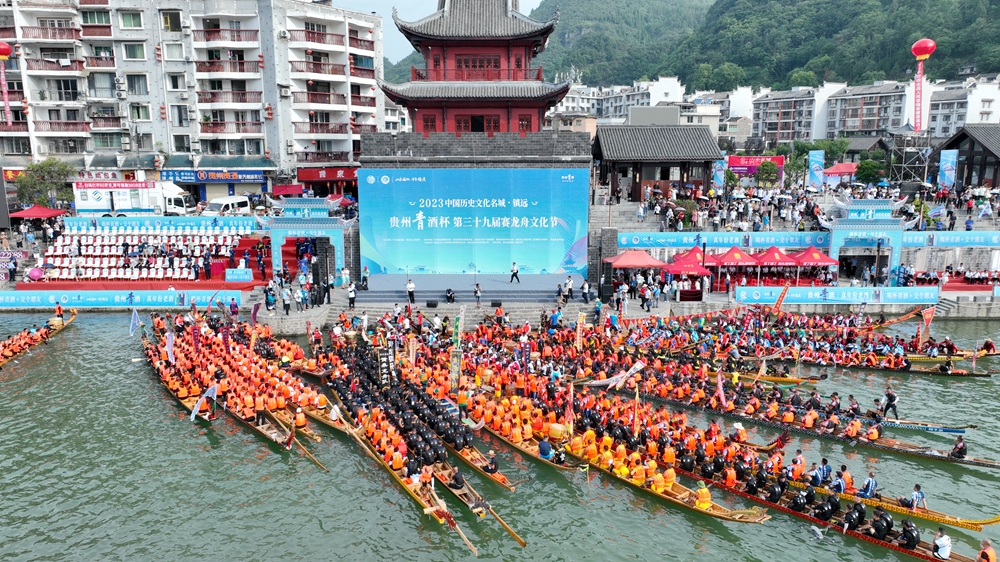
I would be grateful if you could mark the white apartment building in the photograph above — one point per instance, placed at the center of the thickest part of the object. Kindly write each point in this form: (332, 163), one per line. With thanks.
(733, 104)
(973, 101)
(220, 96)
(873, 110)
(613, 102)
(789, 115)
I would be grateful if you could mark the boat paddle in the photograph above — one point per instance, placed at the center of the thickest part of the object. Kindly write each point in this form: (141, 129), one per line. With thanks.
(297, 442)
(450, 519)
(506, 527)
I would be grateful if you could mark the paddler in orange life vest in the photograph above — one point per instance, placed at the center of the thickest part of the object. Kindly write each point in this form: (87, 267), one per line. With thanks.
(740, 435)
(987, 554)
(59, 311)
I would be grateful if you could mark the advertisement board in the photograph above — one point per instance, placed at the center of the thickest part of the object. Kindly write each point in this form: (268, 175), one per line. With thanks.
(816, 160)
(723, 239)
(213, 176)
(946, 168)
(747, 165)
(114, 299)
(79, 223)
(839, 295)
(474, 220)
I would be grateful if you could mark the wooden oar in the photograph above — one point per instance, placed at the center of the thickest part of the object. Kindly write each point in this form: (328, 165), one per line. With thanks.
(299, 443)
(443, 506)
(503, 524)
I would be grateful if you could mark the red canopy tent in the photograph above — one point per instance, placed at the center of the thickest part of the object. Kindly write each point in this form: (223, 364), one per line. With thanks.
(842, 169)
(773, 257)
(37, 212)
(735, 256)
(812, 257)
(633, 259)
(694, 254)
(687, 267)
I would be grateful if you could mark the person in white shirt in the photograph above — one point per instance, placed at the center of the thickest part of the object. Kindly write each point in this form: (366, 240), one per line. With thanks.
(942, 545)
(569, 287)
(364, 321)
(410, 288)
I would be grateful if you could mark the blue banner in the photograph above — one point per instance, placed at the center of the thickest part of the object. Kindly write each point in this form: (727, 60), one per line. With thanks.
(839, 295)
(719, 176)
(113, 299)
(472, 219)
(213, 176)
(946, 168)
(723, 239)
(816, 159)
(239, 275)
(948, 239)
(161, 222)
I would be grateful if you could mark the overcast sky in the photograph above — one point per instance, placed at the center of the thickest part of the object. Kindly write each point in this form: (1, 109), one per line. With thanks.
(396, 46)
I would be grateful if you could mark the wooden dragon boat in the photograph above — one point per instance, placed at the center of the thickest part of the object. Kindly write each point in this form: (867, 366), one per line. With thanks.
(55, 330)
(188, 402)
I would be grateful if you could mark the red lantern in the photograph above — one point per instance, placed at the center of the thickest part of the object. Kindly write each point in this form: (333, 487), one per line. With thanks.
(5, 50)
(310, 82)
(312, 113)
(923, 48)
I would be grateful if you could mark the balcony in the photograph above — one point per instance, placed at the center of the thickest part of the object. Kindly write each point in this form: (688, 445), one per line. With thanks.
(67, 65)
(64, 5)
(106, 122)
(318, 67)
(316, 37)
(230, 35)
(321, 128)
(229, 96)
(15, 127)
(357, 155)
(321, 156)
(59, 95)
(233, 127)
(325, 98)
(361, 72)
(96, 30)
(363, 44)
(357, 129)
(62, 127)
(227, 66)
(475, 74)
(99, 62)
(364, 101)
(8, 33)
(15, 96)
(93, 2)
(50, 33)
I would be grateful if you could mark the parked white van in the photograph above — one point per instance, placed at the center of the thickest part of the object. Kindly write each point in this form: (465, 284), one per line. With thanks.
(227, 206)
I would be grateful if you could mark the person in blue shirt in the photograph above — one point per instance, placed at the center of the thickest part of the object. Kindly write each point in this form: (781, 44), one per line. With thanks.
(815, 476)
(545, 448)
(916, 498)
(870, 487)
(839, 485)
(969, 223)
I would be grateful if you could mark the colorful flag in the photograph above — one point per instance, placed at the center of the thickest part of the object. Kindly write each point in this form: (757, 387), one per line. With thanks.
(212, 392)
(936, 212)
(720, 391)
(225, 338)
(986, 211)
(781, 299)
(569, 410)
(170, 346)
(195, 344)
(580, 320)
(253, 340)
(928, 314)
(134, 325)
(208, 307)
(253, 313)
(635, 414)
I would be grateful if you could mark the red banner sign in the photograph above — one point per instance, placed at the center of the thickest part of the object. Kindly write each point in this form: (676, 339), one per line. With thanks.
(754, 161)
(12, 175)
(327, 174)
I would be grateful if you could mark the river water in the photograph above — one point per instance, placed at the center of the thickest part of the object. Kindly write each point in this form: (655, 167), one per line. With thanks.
(97, 463)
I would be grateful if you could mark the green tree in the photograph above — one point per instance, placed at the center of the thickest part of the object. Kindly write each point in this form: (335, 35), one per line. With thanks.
(732, 180)
(803, 78)
(795, 168)
(43, 180)
(869, 171)
(767, 173)
(834, 149)
(870, 76)
(727, 77)
(702, 77)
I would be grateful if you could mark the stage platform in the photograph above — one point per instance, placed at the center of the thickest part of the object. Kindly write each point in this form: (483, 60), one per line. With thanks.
(533, 288)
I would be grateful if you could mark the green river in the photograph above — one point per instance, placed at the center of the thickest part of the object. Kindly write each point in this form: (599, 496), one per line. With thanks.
(98, 463)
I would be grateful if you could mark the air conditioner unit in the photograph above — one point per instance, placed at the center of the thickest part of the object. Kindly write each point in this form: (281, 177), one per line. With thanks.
(123, 125)
(290, 150)
(283, 34)
(119, 86)
(126, 143)
(121, 95)
(289, 142)
(43, 149)
(192, 108)
(186, 24)
(184, 95)
(286, 92)
(119, 80)
(186, 31)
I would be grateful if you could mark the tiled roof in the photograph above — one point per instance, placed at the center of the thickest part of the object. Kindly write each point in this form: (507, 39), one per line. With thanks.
(987, 135)
(871, 90)
(624, 143)
(787, 95)
(950, 95)
(861, 144)
(475, 19)
(473, 90)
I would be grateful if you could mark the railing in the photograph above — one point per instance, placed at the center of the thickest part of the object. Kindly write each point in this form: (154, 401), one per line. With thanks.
(50, 33)
(59, 95)
(364, 101)
(474, 74)
(316, 37)
(102, 93)
(62, 126)
(8, 32)
(356, 129)
(220, 127)
(99, 62)
(93, 2)
(106, 122)
(15, 95)
(235, 35)
(321, 156)
(96, 30)
(15, 127)
(364, 44)
(357, 155)
(226, 66)
(60, 4)
(321, 128)
(229, 96)
(317, 67)
(328, 98)
(54, 65)
(362, 72)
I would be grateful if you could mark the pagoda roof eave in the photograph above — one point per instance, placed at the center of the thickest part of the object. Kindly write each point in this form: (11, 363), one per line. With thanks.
(412, 93)
(435, 28)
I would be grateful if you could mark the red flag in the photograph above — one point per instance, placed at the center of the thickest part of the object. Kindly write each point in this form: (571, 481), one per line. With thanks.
(635, 414)
(720, 392)
(291, 437)
(225, 338)
(928, 314)
(194, 338)
(781, 298)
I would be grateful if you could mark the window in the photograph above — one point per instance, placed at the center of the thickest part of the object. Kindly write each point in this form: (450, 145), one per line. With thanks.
(362, 62)
(933, 118)
(176, 82)
(67, 146)
(985, 115)
(135, 51)
(234, 24)
(463, 124)
(690, 119)
(144, 141)
(945, 130)
(96, 18)
(171, 21)
(103, 51)
(54, 23)
(182, 143)
(935, 106)
(101, 85)
(430, 124)
(102, 111)
(131, 20)
(139, 112)
(317, 27)
(16, 145)
(524, 123)
(173, 51)
(107, 140)
(215, 85)
(137, 84)
(219, 115)
(179, 116)
(699, 119)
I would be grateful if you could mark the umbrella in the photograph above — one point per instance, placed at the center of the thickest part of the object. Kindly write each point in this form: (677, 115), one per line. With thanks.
(657, 190)
(670, 204)
(35, 274)
(783, 196)
(260, 208)
(48, 265)
(134, 254)
(883, 183)
(739, 195)
(812, 190)
(346, 202)
(703, 198)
